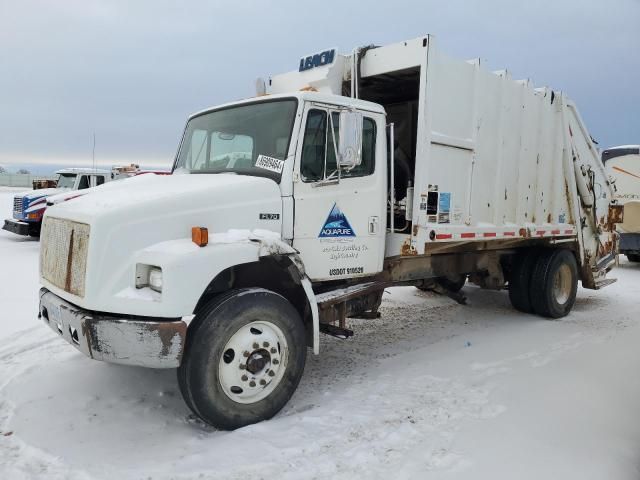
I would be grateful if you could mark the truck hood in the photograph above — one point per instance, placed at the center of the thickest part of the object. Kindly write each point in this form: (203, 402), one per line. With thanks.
(43, 192)
(160, 197)
(131, 215)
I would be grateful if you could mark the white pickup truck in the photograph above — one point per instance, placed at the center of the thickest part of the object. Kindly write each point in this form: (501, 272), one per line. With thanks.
(291, 212)
(29, 207)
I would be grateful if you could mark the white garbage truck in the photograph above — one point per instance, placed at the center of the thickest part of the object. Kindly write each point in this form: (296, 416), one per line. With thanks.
(289, 213)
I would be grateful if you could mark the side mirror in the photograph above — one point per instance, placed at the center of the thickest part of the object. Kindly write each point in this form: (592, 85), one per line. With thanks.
(350, 143)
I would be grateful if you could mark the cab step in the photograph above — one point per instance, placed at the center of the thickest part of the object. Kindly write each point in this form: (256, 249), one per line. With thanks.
(603, 282)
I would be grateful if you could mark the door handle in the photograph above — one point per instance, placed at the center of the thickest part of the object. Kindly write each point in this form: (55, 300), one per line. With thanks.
(373, 225)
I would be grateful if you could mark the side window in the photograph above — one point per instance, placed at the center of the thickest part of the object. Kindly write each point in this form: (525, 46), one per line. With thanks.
(318, 160)
(84, 182)
(99, 180)
(314, 146)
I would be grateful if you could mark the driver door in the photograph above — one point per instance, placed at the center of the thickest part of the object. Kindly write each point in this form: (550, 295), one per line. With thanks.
(340, 222)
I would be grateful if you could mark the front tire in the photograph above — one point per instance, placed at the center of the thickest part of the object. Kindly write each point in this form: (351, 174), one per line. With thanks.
(243, 359)
(554, 283)
(34, 230)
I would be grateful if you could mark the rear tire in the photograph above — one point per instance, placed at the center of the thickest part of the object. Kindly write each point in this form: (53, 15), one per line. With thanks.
(554, 283)
(243, 359)
(633, 257)
(520, 280)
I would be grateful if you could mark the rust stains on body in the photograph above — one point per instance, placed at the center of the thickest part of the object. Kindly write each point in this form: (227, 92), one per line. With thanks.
(407, 249)
(67, 281)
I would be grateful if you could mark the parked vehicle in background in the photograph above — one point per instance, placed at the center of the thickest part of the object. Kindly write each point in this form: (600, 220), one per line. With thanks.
(45, 183)
(117, 173)
(289, 213)
(29, 207)
(623, 165)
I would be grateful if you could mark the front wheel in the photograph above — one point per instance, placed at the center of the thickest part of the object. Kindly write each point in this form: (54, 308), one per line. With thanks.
(34, 230)
(244, 357)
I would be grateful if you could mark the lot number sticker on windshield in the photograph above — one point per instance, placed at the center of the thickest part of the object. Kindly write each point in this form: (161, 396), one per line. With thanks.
(269, 163)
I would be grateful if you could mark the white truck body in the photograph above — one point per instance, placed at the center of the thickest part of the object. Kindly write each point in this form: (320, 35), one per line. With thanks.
(293, 187)
(496, 156)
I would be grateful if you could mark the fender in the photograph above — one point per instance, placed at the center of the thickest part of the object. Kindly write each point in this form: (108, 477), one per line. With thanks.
(187, 269)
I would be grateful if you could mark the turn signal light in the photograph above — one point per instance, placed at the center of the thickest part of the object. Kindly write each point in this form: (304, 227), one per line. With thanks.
(200, 236)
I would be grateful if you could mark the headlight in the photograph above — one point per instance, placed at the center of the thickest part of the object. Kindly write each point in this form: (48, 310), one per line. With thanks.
(155, 279)
(149, 276)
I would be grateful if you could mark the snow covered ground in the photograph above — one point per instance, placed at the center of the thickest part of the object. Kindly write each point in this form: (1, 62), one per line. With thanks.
(431, 390)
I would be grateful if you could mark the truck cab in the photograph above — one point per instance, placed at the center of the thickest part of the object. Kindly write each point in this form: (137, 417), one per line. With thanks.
(29, 207)
(336, 225)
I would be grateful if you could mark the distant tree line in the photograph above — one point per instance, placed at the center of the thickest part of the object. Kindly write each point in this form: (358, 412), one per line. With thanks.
(22, 171)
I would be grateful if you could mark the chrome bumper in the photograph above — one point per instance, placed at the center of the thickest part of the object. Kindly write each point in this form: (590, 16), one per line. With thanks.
(152, 343)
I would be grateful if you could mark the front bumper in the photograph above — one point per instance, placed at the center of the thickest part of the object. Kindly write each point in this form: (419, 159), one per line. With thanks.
(16, 226)
(153, 343)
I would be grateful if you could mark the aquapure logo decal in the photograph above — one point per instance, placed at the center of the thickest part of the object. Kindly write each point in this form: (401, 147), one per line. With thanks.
(336, 225)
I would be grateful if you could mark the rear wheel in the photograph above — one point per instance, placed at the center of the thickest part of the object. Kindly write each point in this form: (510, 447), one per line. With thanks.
(633, 257)
(244, 357)
(520, 280)
(554, 283)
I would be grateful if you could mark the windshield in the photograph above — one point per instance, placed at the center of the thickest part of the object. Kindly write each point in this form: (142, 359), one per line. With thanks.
(66, 180)
(249, 139)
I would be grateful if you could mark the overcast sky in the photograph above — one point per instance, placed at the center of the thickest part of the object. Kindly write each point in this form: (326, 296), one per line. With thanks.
(132, 71)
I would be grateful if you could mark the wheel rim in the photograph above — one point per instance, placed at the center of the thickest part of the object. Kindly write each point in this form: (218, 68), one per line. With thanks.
(562, 284)
(253, 362)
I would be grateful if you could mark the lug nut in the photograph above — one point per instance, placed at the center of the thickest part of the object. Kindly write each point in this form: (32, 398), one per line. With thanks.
(242, 366)
(252, 383)
(244, 378)
(271, 373)
(255, 346)
(275, 361)
(263, 382)
(246, 354)
(265, 344)
(273, 350)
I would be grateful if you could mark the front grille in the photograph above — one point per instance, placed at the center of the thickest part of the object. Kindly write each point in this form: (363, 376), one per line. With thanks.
(17, 205)
(64, 245)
